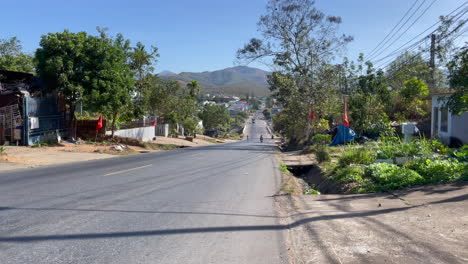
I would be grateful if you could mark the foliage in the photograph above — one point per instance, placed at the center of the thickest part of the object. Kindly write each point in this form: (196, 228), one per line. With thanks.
(283, 168)
(301, 41)
(322, 153)
(435, 171)
(391, 148)
(411, 65)
(356, 155)
(322, 139)
(390, 176)
(414, 88)
(2, 150)
(214, 117)
(320, 125)
(458, 79)
(194, 88)
(12, 58)
(311, 191)
(460, 154)
(190, 125)
(349, 174)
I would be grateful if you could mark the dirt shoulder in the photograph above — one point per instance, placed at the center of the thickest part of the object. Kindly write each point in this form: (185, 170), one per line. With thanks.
(427, 224)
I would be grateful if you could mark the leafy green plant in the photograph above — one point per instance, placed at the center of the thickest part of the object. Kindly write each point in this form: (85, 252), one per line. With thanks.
(460, 154)
(356, 155)
(349, 174)
(435, 171)
(390, 177)
(2, 150)
(321, 139)
(322, 154)
(283, 168)
(311, 191)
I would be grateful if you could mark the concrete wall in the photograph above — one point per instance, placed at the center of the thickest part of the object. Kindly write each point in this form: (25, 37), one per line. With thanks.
(140, 133)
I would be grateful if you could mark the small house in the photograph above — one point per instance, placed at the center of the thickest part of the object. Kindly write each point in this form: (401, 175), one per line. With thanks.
(450, 129)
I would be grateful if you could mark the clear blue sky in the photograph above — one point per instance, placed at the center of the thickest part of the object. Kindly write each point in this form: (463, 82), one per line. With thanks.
(199, 35)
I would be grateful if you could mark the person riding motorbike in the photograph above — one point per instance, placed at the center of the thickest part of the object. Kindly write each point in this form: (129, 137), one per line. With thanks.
(261, 138)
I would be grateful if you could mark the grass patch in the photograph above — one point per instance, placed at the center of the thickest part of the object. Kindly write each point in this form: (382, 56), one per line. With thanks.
(311, 191)
(356, 155)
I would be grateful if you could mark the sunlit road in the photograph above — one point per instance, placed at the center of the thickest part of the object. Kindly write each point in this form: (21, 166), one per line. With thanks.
(202, 205)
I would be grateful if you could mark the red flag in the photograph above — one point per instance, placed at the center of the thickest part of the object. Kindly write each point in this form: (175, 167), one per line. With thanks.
(345, 115)
(312, 114)
(99, 123)
(154, 123)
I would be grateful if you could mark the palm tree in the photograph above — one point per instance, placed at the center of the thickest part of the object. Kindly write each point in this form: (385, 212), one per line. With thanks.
(194, 87)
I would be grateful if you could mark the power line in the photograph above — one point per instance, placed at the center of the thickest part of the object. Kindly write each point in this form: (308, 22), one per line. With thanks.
(412, 24)
(396, 25)
(402, 48)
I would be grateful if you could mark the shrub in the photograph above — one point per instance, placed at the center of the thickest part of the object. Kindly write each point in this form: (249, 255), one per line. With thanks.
(350, 174)
(322, 154)
(354, 155)
(2, 150)
(435, 171)
(321, 139)
(390, 177)
(283, 168)
(311, 191)
(460, 154)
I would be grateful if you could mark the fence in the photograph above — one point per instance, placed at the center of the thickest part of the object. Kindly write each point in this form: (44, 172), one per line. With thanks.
(43, 121)
(86, 129)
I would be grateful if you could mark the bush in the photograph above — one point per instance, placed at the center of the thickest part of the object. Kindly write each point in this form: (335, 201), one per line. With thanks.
(393, 147)
(283, 168)
(355, 155)
(350, 174)
(322, 154)
(2, 150)
(321, 139)
(390, 177)
(435, 171)
(460, 154)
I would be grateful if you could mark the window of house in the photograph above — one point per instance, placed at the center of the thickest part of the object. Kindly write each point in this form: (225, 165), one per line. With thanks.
(443, 119)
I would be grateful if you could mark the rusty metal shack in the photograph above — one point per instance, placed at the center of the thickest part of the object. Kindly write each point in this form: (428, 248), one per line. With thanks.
(26, 116)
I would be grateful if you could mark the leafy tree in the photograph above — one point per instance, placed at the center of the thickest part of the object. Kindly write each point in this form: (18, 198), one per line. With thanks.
(12, 58)
(109, 82)
(86, 68)
(194, 88)
(458, 78)
(414, 89)
(301, 42)
(214, 117)
(60, 60)
(408, 66)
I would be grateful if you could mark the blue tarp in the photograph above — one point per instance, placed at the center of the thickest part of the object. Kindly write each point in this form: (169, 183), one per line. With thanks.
(344, 134)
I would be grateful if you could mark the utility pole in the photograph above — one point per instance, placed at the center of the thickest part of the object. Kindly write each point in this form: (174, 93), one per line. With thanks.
(432, 63)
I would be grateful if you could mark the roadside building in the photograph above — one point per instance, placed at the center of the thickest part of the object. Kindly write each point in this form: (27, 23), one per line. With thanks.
(449, 128)
(26, 116)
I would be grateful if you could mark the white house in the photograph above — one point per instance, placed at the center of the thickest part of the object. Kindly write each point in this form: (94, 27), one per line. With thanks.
(445, 126)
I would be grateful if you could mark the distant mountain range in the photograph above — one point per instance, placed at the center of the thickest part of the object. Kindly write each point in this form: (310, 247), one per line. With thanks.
(237, 80)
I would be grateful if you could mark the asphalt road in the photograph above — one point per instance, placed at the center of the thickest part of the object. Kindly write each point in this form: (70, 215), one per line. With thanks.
(198, 205)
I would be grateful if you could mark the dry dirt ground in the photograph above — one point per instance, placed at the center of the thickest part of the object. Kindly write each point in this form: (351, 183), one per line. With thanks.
(27, 157)
(420, 225)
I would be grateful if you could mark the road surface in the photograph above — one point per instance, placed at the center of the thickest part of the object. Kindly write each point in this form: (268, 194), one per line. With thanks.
(200, 205)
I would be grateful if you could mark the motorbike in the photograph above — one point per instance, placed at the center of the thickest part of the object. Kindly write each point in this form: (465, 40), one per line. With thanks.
(261, 139)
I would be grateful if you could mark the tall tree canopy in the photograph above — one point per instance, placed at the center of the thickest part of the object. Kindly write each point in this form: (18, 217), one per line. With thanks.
(86, 68)
(458, 78)
(12, 58)
(301, 41)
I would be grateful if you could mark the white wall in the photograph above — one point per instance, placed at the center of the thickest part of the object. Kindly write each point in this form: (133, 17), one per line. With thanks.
(140, 133)
(457, 126)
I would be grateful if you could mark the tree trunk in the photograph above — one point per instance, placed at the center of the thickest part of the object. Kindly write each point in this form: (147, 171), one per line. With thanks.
(71, 124)
(114, 117)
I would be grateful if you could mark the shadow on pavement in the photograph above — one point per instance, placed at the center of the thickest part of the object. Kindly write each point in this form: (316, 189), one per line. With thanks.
(36, 238)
